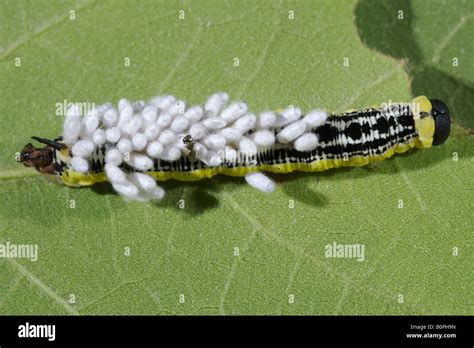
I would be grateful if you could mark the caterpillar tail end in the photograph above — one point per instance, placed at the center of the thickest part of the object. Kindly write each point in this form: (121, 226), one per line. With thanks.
(442, 120)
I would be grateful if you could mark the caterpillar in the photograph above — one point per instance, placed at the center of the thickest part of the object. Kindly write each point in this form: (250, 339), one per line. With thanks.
(137, 144)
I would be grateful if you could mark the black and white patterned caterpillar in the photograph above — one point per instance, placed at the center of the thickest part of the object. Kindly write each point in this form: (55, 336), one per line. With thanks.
(138, 143)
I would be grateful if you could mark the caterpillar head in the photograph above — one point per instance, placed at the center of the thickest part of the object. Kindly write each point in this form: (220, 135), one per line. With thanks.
(42, 159)
(441, 116)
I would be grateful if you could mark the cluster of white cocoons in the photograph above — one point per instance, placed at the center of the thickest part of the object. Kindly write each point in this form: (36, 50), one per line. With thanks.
(138, 133)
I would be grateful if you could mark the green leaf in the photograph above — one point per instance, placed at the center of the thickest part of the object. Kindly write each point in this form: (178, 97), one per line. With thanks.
(191, 251)
(436, 42)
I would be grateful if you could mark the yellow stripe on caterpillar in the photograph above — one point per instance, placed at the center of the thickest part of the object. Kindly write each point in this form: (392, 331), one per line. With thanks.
(424, 123)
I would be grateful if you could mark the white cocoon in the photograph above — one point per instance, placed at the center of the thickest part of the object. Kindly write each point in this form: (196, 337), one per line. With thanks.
(114, 174)
(152, 132)
(197, 131)
(124, 104)
(291, 132)
(142, 181)
(263, 138)
(260, 182)
(164, 120)
(201, 150)
(179, 124)
(71, 128)
(170, 153)
(306, 142)
(214, 123)
(83, 148)
(112, 134)
(214, 141)
(230, 155)
(167, 137)
(125, 145)
(156, 194)
(139, 161)
(213, 159)
(149, 114)
(215, 103)
(125, 114)
(139, 141)
(110, 118)
(79, 164)
(89, 125)
(315, 118)
(247, 146)
(231, 134)
(154, 149)
(234, 111)
(163, 102)
(291, 114)
(114, 157)
(194, 113)
(126, 189)
(98, 137)
(177, 108)
(266, 120)
(245, 123)
(131, 127)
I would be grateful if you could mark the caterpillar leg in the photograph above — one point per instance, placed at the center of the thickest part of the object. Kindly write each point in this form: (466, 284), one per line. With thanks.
(260, 182)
